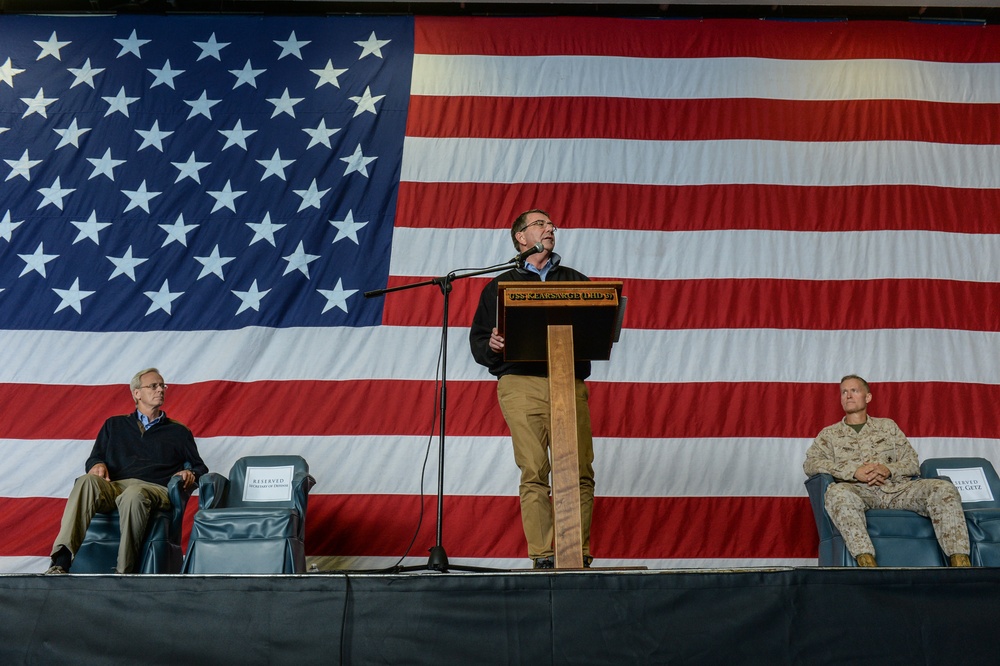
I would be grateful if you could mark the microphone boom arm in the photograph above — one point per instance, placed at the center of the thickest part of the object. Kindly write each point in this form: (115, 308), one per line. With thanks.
(443, 280)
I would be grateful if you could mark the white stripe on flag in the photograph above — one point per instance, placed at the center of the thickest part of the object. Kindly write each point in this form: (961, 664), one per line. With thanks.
(692, 255)
(758, 162)
(737, 355)
(484, 466)
(704, 78)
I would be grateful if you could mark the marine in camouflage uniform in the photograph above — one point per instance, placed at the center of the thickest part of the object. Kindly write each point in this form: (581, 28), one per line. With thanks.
(874, 466)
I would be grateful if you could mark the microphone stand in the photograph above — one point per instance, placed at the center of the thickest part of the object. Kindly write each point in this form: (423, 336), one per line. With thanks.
(438, 560)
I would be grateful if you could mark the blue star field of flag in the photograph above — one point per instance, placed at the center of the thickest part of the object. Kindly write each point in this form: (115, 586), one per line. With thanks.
(198, 173)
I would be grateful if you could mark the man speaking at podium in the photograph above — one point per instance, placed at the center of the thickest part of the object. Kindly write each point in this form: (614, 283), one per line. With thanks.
(523, 391)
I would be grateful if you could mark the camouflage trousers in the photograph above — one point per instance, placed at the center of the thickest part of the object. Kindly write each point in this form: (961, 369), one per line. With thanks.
(933, 498)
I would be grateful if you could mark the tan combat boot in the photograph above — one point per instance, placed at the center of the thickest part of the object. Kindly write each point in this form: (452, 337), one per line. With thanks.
(959, 560)
(866, 560)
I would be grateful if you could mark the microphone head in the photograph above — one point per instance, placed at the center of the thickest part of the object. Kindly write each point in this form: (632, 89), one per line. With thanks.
(534, 249)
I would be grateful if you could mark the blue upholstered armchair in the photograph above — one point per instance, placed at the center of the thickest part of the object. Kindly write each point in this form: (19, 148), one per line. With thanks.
(901, 538)
(161, 549)
(979, 485)
(254, 522)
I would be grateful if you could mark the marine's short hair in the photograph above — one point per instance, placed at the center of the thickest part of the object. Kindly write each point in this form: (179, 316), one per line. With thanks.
(861, 379)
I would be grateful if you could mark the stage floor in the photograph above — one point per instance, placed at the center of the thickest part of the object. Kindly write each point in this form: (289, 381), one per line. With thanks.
(745, 616)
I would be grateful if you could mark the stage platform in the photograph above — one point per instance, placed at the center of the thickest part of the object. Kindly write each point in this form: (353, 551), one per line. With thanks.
(747, 616)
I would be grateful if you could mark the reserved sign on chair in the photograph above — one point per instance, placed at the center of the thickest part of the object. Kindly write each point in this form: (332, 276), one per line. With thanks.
(971, 483)
(268, 484)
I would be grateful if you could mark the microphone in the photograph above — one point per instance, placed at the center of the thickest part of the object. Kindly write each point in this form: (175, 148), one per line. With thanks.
(534, 249)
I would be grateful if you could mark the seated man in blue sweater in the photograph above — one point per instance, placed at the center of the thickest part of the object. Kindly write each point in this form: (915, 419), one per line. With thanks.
(129, 468)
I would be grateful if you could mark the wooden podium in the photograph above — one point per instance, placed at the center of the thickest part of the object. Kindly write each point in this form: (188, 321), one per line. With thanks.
(561, 323)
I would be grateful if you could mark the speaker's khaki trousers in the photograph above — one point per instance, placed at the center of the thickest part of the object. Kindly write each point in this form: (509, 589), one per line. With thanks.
(524, 402)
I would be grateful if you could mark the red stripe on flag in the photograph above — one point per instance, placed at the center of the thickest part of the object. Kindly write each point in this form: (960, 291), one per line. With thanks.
(824, 40)
(490, 527)
(704, 207)
(718, 119)
(620, 410)
(29, 525)
(749, 303)
(710, 527)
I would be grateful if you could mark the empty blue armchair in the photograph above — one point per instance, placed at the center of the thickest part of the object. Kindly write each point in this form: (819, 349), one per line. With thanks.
(901, 538)
(979, 485)
(161, 549)
(254, 522)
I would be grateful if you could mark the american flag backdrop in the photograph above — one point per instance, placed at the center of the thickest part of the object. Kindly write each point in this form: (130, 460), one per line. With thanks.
(785, 202)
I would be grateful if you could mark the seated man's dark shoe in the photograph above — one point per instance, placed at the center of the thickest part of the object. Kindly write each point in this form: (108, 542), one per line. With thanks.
(61, 560)
(544, 563)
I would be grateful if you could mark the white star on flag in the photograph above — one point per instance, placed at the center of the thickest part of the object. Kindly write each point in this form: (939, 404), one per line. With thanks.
(284, 104)
(263, 230)
(251, 298)
(71, 135)
(165, 75)
(366, 102)
(104, 165)
(311, 198)
(162, 299)
(299, 261)
(72, 297)
(37, 104)
(226, 197)
(89, 229)
(54, 195)
(212, 264)
(7, 227)
(291, 46)
(85, 74)
(190, 169)
(274, 166)
(328, 75)
(50, 47)
(320, 135)
(131, 45)
(201, 106)
(236, 136)
(246, 75)
(372, 46)
(357, 162)
(119, 103)
(8, 72)
(153, 137)
(139, 198)
(125, 264)
(178, 231)
(212, 48)
(337, 297)
(21, 167)
(347, 228)
(37, 260)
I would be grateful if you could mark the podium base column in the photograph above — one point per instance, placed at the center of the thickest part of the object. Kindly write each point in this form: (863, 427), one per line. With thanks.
(565, 456)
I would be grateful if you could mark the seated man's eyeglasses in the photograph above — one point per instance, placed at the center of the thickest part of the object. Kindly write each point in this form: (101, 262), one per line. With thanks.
(155, 386)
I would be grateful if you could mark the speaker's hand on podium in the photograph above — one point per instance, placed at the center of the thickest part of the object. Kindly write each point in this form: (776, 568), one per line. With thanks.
(496, 341)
